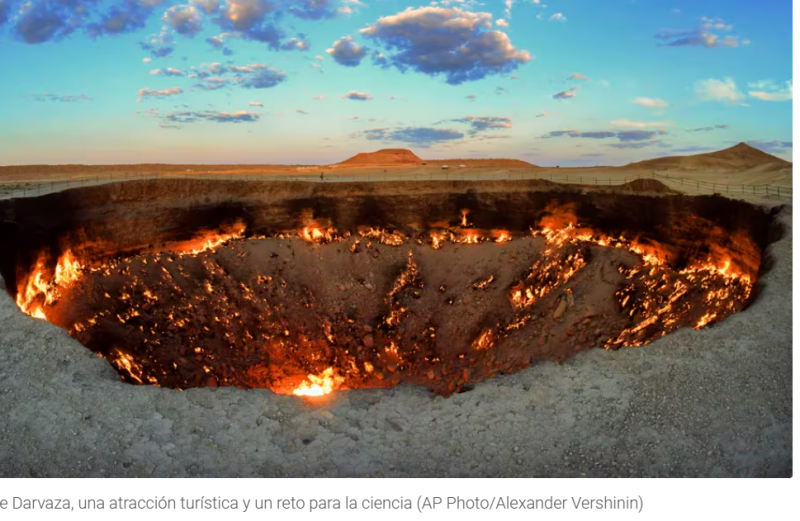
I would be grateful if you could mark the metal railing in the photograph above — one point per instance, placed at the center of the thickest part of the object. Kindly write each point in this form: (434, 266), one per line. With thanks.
(35, 188)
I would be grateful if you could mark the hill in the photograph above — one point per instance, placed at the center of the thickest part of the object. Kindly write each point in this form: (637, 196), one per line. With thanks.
(384, 157)
(739, 157)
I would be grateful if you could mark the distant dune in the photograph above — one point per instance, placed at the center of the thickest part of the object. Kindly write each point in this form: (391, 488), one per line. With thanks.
(736, 158)
(384, 157)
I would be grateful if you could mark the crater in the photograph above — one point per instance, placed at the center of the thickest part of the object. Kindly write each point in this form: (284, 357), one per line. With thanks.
(307, 289)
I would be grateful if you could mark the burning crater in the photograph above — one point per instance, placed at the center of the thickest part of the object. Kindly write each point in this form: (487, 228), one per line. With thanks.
(308, 289)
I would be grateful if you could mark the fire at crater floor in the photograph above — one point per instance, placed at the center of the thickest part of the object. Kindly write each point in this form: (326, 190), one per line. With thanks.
(398, 276)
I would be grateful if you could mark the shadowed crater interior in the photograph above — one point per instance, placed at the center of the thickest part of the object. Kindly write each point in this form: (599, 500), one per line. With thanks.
(308, 288)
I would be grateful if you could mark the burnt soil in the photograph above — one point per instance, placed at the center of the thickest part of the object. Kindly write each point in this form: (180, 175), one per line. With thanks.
(267, 312)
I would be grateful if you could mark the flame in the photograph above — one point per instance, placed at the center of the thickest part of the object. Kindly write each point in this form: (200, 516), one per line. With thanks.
(317, 235)
(464, 214)
(67, 270)
(501, 236)
(320, 385)
(395, 238)
(705, 319)
(37, 292)
(469, 237)
(211, 240)
(125, 363)
(653, 299)
(484, 283)
(484, 341)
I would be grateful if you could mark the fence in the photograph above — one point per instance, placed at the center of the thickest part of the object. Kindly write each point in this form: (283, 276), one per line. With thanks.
(12, 189)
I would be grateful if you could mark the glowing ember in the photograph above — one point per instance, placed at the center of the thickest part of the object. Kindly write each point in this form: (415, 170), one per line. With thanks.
(382, 308)
(211, 240)
(319, 385)
(501, 236)
(468, 237)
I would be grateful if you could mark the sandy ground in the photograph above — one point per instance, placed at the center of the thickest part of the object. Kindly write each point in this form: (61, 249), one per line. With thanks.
(31, 181)
(715, 402)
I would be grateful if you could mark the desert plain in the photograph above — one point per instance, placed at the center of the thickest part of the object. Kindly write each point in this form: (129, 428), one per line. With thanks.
(714, 401)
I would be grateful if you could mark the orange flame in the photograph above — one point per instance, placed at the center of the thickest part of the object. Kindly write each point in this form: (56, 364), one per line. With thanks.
(316, 235)
(501, 236)
(211, 240)
(320, 385)
(37, 292)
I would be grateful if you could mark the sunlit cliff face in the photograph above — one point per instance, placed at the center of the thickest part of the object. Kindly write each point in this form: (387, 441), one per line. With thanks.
(444, 306)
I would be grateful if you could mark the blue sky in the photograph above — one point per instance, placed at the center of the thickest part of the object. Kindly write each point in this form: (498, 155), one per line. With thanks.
(567, 82)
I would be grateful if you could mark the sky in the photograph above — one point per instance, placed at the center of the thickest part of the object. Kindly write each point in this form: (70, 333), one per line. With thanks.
(552, 82)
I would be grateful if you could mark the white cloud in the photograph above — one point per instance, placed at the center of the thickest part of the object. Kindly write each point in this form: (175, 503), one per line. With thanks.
(701, 36)
(558, 17)
(147, 93)
(654, 103)
(626, 123)
(184, 19)
(767, 90)
(167, 72)
(502, 23)
(724, 91)
(457, 43)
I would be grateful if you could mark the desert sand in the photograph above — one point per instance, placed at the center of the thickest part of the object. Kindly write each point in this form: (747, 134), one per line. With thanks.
(738, 165)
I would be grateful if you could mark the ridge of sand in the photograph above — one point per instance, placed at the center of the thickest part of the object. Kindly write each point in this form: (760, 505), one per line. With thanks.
(738, 157)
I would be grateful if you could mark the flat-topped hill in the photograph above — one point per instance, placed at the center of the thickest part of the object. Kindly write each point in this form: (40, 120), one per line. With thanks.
(386, 156)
